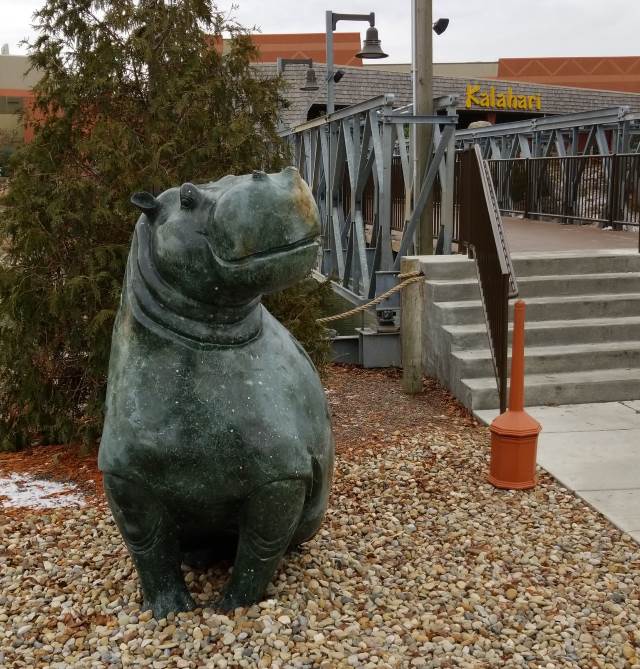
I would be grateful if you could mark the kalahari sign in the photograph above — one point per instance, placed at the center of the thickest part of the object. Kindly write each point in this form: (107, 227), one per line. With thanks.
(490, 99)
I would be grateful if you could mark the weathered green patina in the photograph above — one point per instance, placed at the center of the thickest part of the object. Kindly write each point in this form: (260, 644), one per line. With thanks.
(217, 435)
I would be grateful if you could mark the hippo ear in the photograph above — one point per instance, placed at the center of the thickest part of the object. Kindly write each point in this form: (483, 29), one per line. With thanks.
(147, 204)
(190, 196)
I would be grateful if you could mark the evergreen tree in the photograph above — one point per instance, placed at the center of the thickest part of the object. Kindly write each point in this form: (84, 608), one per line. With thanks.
(133, 96)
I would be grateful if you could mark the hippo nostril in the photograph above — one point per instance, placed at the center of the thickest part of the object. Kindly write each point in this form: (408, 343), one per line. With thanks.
(259, 175)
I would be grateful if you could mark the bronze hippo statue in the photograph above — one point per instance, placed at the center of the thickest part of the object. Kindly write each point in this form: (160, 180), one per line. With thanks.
(217, 433)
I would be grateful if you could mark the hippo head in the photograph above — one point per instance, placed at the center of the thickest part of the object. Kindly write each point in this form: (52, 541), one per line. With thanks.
(227, 242)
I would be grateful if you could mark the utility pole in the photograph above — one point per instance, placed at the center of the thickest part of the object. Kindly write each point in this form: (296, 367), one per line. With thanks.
(423, 105)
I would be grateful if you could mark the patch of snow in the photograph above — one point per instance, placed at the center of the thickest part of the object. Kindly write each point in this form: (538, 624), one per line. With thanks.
(23, 491)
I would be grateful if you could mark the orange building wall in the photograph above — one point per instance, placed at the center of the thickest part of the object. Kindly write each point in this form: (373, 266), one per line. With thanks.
(610, 74)
(308, 45)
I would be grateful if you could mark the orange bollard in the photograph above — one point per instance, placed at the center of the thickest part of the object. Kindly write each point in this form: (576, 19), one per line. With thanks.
(514, 434)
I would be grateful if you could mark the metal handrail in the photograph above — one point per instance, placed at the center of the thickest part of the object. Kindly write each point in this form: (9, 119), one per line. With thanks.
(482, 233)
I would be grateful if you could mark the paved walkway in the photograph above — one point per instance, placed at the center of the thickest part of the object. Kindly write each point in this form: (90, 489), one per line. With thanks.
(525, 234)
(529, 235)
(594, 450)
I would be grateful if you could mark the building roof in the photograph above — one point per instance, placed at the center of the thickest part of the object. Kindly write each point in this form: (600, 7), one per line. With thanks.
(360, 84)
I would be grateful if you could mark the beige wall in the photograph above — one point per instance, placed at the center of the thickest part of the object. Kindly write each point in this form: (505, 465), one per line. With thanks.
(480, 70)
(387, 67)
(12, 73)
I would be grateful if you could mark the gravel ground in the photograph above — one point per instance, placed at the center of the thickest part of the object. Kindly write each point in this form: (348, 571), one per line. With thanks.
(420, 563)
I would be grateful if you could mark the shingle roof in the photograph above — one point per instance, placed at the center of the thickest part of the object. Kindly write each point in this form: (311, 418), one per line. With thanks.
(359, 84)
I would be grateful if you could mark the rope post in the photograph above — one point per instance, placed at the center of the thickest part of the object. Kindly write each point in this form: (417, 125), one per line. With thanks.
(411, 328)
(514, 434)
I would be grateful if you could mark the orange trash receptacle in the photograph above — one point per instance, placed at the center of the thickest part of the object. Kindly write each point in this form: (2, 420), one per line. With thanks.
(514, 434)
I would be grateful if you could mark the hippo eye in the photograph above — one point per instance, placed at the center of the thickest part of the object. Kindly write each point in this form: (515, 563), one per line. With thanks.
(190, 196)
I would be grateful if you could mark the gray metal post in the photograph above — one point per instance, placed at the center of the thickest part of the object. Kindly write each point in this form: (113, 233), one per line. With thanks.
(447, 190)
(386, 259)
(329, 47)
(331, 143)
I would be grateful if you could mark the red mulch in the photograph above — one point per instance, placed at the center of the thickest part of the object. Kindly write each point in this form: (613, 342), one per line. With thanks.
(369, 407)
(67, 463)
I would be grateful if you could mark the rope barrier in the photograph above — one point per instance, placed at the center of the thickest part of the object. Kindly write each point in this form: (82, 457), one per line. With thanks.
(407, 279)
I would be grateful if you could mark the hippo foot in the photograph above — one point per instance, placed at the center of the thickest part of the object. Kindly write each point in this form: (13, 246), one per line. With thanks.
(164, 603)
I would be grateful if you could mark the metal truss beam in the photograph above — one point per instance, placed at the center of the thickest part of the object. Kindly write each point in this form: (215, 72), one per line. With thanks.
(342, 154)
(598, 132)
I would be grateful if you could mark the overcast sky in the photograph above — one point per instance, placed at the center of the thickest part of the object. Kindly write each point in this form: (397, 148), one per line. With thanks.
(479, 29)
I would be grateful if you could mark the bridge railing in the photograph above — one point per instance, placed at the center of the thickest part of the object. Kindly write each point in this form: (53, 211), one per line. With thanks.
(482, 233)
(600, 189)
(348, 159)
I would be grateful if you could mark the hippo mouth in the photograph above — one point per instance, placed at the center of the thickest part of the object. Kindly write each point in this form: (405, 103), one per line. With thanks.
(275, 252)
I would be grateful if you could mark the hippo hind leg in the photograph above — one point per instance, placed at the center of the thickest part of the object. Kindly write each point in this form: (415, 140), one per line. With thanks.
(268, 521)
(151, 537)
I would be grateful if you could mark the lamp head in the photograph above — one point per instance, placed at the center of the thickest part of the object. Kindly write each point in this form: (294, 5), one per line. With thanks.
(440, 26)
(311, 83)
(371, 46)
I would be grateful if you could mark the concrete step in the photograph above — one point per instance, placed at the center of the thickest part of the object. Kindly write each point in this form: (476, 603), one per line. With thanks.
(553, 359)
(547, 308)
(576, 262)
(542, 286)
(600, 385)
(549, 333)
(453, 267)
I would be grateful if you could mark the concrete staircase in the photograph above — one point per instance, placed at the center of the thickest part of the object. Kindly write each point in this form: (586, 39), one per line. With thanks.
(582, 331)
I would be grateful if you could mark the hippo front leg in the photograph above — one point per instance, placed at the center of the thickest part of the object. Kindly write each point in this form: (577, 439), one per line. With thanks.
(151, 537)
(268, 520)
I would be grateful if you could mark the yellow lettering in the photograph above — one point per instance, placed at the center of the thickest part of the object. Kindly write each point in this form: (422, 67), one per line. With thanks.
(471, 95)
(475, 96)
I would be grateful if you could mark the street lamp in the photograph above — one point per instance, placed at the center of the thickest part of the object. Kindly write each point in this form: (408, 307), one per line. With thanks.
(311, 83)
(370, 49)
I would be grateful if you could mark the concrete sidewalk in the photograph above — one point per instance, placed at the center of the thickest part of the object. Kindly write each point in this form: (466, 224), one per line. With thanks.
(594, 450)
